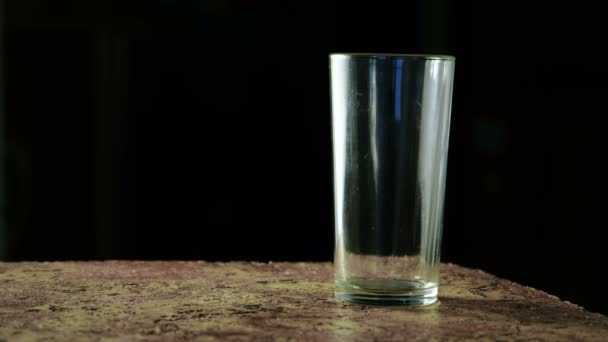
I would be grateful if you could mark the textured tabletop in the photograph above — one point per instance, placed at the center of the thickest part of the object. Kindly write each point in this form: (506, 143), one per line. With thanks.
(164, 301)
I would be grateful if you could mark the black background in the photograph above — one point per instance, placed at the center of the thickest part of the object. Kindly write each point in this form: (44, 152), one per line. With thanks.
(165, 129)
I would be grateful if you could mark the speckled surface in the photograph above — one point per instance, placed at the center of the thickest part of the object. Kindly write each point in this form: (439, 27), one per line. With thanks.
(177, 301)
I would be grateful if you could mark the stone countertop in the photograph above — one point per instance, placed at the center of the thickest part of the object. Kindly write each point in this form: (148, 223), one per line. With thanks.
(204, 301)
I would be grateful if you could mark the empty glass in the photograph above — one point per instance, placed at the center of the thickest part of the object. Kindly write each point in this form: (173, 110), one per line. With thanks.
(390, 121)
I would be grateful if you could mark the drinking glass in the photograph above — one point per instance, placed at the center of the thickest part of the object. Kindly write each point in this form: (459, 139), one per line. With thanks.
(390, 125)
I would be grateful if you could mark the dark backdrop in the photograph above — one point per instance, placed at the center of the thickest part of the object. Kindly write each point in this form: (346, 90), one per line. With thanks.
(165, 129)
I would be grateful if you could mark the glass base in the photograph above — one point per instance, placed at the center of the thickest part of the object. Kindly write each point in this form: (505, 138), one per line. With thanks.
(387, 292)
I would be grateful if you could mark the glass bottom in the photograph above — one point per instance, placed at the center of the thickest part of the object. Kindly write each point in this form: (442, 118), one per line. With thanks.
(387, 292)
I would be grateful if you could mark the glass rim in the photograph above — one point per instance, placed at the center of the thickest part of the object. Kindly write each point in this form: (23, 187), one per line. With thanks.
(394, 55)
